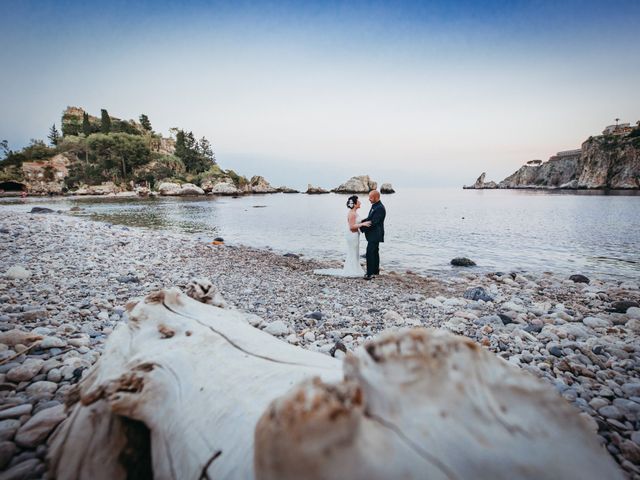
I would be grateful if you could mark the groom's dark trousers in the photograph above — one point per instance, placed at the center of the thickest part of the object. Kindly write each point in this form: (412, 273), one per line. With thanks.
(373, 258)
(375, 235)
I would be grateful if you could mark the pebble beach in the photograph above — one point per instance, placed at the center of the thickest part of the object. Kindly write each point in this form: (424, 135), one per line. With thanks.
(64, 283)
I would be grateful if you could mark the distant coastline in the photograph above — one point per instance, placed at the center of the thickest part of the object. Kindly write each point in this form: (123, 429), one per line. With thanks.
(610, 161)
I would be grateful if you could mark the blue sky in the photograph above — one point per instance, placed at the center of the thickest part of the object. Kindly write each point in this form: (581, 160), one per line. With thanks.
(416, 93)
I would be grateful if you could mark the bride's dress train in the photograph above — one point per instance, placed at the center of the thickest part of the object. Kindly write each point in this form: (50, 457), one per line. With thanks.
(352, 266)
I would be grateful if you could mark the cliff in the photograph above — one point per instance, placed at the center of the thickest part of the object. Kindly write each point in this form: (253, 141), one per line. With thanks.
(610, 161)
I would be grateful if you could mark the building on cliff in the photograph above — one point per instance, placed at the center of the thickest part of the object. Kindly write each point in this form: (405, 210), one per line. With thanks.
(617, 129)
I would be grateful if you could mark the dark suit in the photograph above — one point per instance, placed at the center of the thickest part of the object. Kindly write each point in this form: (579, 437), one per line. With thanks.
(374, 235)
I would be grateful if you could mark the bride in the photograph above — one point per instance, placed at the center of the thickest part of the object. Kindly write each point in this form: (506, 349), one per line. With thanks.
(352, 266)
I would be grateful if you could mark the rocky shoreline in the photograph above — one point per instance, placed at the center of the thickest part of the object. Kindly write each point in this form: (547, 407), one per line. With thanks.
(65, 282)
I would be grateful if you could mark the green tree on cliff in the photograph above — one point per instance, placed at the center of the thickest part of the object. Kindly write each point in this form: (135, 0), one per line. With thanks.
(54, 135)
(119, 152)
(197, 157)
(105, 122)
(206, 150)
(146, 124)
(86, 126)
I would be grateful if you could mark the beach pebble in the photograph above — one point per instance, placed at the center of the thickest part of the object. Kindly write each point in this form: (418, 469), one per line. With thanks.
(277, 328)
(38, 427)
(30, 468)
(42, 387)
(393, 318)
(594, 322)
(7, 451)
(16, 412)
(52, 342)
(8, 428)
(633, 312)
(17, 272)
(26, 371)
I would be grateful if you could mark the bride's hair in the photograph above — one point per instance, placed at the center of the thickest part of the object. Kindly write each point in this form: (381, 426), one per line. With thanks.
(351, 202)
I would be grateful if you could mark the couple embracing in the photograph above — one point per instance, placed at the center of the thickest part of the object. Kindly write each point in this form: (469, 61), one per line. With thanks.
(373, 229)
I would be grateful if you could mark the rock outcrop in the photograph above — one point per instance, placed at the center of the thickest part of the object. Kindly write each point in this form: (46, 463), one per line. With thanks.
(387, 188)
(359, 184)
(610, 161)
(224, 188)
(258, 184)
(175, 189)
(481, 184)
(311, 190)
(105, 188)
(284, 189)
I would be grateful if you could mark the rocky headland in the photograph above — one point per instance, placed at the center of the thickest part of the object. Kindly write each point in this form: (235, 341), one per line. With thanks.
(64, 283)
(608, 161)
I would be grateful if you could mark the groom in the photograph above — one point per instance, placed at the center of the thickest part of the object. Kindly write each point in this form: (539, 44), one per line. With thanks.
(374, 233)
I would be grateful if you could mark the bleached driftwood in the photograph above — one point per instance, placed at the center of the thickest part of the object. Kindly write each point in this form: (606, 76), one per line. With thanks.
(190, 391)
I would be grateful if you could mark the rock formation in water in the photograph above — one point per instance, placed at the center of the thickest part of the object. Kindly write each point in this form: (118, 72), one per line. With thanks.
(481, 184)
(311, 190)
(387, 188)
(358, 184)
(258, 184)
(608, 161)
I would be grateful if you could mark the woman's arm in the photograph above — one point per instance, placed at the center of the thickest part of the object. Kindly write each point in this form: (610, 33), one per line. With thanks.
(353, 226)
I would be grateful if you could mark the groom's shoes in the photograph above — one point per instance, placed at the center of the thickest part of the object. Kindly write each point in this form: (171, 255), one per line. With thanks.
(368, 277)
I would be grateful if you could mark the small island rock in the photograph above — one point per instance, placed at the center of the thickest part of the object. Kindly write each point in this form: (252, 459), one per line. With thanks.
(387, 188)
(358, 184)
(311, 190)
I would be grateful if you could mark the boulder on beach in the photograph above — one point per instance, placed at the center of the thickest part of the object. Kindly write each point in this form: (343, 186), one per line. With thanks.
(463, 262)
(311, 190)
(358, 184)
(622, 306)
(387, 188)
(579, 279)
(41, 210)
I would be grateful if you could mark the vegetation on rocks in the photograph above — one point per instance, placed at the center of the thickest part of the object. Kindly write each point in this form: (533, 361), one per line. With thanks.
(125, 152)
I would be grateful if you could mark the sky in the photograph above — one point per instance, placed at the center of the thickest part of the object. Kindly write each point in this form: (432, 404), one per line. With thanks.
(412, 93)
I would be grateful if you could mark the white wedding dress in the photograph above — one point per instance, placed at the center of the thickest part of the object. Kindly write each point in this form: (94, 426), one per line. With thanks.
(351, 266)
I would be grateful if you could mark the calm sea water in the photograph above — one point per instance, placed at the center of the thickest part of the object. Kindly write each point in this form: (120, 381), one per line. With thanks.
(566, 233)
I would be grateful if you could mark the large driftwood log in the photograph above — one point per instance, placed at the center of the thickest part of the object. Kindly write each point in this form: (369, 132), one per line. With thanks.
(190, 391)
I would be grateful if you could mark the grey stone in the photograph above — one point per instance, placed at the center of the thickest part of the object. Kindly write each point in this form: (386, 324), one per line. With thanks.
(38, 427)
(463, 262)
(611, 412)
(52, 342)
(7, 451)
(631, 389)
(41, 387)
(16, 412)
(22, 373)
(32, 468)
(8, 428)
(594, 322)
(277, 328)
(478, 293)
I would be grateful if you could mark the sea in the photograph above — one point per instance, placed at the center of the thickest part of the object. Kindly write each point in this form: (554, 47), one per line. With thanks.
(589, 232)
